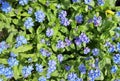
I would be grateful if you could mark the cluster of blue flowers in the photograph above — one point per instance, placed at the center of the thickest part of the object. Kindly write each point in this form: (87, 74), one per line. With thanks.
(63, 44)
(60, 44)
(26, 70)
(60, 57)
(82, 68)
(112, 48)
(6, 7)
(23, 2)
(97, 20)
(63, 20)
(114, 69)
(39, 68)
(49, 32)
(101, 2)
(79, 18)
(116, 58)
(82, 39)
(45, 52)
(39, 16)
(7, 71)
(28, 23)
(3, 46)
(12, 61)
(93, 74)
(86, 50)
(118, 13)
(42, 78)
(87, 1)
(95, 51)
(67, 67)
(73, 77)
(20, 41)
(51, 68)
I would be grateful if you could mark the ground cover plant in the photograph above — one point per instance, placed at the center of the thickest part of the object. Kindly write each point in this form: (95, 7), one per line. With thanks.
(59, 40)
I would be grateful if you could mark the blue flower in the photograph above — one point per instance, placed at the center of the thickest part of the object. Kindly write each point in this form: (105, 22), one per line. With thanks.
(97, 20)
(60, 44)
(64, 21)
(2, 69)
(39, 16)
(49, 32)
(45, 52)
(48, 75)
(111, 49)
(78, 79)
(12, 61)
(113, 69)
(62, 14)
(67, 67)
(78, 41)
(82, 68)
(108, 44)
(95, 51)
(118, 47)
(71, 76)
(84, 38)
(79, 18)
(13, 55)
(28, 23)
(26, 70)
(96, 62)
(3, 46)
(117, 80)
(6, 7)
(101, 2)
(86, 50)
(42, 78)
(39, 68)
(67, 41)
(74, 1)
(42, 40)
(60, 57)
(20, 41)
(23, 2)
(51, 68)
(93, 74)
(30, 10)
(118, 13)
(87, 1)
(8, 72)
(52, 63)
(116, 58)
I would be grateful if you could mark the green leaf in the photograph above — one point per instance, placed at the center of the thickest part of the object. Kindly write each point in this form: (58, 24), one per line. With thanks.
(16, 72)
(2, 17)
(22, 48)
(3, 61)
(110, 3)
(10, 38)
(101, 64)
(15, 21)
